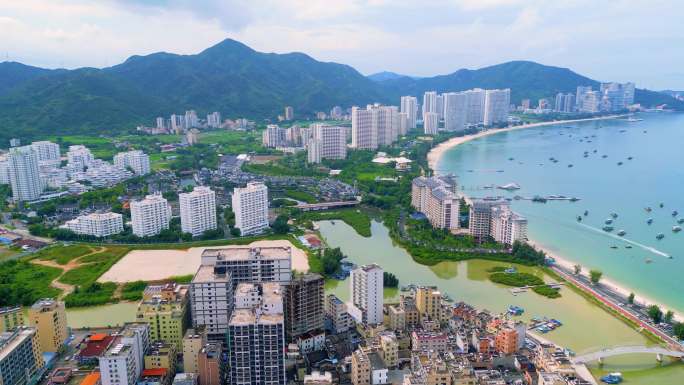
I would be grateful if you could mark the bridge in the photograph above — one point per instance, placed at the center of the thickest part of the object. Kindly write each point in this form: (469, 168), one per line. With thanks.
(622, 350)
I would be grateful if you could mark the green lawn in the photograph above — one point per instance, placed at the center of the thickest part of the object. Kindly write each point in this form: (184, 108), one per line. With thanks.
(97, 264)
(22, 282)
(91, 295)
(62, 254)
(357, 219)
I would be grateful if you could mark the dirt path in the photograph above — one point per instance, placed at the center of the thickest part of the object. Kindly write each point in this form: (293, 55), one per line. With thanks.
(73, 264)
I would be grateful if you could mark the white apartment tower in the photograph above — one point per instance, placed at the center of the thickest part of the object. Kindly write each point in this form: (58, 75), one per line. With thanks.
(96, 224)
(136, 160)
(476, 106)
(497, 103)
(198, 210)
(480, 218)
(327, 142)
(363, 135)
(455, 111)
(250, 205)
(211, 299)
(79, 157)
(507, 226)
(24, 174)
(48, 152)
(436, 198)
(150, 216)
(274, 136)
(366, 285)
(375, 126)
(430, 123)
(214, 119)
(409, 106)
(429, 102)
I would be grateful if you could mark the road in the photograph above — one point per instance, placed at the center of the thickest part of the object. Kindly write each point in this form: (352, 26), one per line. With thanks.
(613, 300)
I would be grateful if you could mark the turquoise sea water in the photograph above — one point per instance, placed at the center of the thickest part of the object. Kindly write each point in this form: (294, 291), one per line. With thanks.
(655, 175)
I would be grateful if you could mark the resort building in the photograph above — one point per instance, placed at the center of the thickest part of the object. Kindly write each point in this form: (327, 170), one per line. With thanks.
(274, 136)
(497, 104)
(11, 318)
(78, 158)
(436, 198)
(256, 336)
(304, 305)
(48, 152)
(24, 174)
(327, 142)
(20, 357)
(455, 111)
(96, 224)
(198, 211)
(480, 218)
(375, 126)
(165, 309)
(430, 123)
(366, 287)
(409, 106)
(48, 316)
(150, 216)
(507, 226)
(250, 205)
(476, 106)
(136, 160)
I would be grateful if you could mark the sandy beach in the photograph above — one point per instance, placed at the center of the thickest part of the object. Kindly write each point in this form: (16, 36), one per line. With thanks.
(438, 151)
(153, 265)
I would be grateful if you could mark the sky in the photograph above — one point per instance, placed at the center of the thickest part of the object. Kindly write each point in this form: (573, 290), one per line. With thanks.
(614, 40)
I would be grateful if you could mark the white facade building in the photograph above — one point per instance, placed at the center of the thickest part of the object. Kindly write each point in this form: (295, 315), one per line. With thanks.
(274, 136)
(507, 226)
(429, 102)
(198, 210)
(327, 142)
(250, 205)
(48, 152)
(476, 106)
(409, 106)
(150, 216)
(436, 198)
(455, 111)
(211, 299)
(497, 103)
(4, 170)
(79, 157)
(136, 160)
(214, 119)
(96, 224)
(366, 285)
(24, 174)
(375, 126)
(430, 123)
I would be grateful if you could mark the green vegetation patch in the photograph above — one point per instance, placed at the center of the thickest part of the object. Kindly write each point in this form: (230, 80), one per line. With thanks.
(182, 279)
(62, 254)
(133, 291)
(22, 282)
(301, 196)
(357, 219)
(97, 264)
(525, 279)
(91, 295)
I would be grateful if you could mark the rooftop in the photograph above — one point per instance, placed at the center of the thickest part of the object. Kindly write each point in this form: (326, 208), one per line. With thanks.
(247, 253)
(206, 273)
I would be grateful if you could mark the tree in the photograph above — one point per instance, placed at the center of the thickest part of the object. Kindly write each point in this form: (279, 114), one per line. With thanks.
(669, 316)
(280, 225)
(630, 299)
(577, 269)
(655, 313)
(595, 276)
(235, 232)
(678, 330)
(389, 280)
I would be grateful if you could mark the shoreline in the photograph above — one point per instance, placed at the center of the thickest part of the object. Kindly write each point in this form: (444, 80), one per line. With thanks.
(436, 153)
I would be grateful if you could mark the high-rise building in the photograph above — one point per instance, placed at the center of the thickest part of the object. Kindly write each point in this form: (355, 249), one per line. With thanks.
(480, 217)
(210, 365)
(440, 106)
(430, 123)
(11, 317)
(336, 312)
(96, 224)
(177, 124)
(198, 210)
(617, 96)
(429, 303)
(211, 298)
(48, 316)
(79, 157)
(214, 119)
(569, 105)
(525, 104)
(274, 136)
(161, 122)
(47, 152)
(375, 126)
(507, 226)
(191, 119)
(256, 336)
(289, 113)
(303, 300)
(455, 111)
(588, 101)
(150, 216)
(559, 104)
(409, 106)
(24, 174)
(327, 142)
(366, 285)
(136, 160)
(497, 103)
(20, 357)
(476, 106)
(193, 342)
(436, 198)
(250, 205)
(4, 170)
(124, 360)
(165, 309)
(360, 368)
(252, 264)
(429, 102)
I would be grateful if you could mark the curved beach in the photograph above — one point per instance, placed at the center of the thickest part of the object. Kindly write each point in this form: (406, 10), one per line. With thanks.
(435, 155)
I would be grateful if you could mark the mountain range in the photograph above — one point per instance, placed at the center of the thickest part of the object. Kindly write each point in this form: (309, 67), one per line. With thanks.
(238, 81)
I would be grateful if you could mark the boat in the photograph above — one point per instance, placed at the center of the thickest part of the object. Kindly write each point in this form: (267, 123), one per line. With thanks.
(510, 158)
(332, 222)
(586, 212)
(623, 130)
(619, 163)
(608, 221)
(628, 247)
(604, 156)
(539, 199)
(648, 260)
(634, 120)
(608, 228)
(649, 221)
(675, 213)
(511, 270)
(629, 158)
(515, 310)
(621, 233)
(613, 247)
(676, 229)
(660, 236)
(579, 218)
(662, 205)
(614, 215)
(509, 187)
(570, 165)
(648, 209)
(680, 220)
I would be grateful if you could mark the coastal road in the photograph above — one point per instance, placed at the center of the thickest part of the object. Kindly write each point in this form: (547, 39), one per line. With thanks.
(610, 302)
